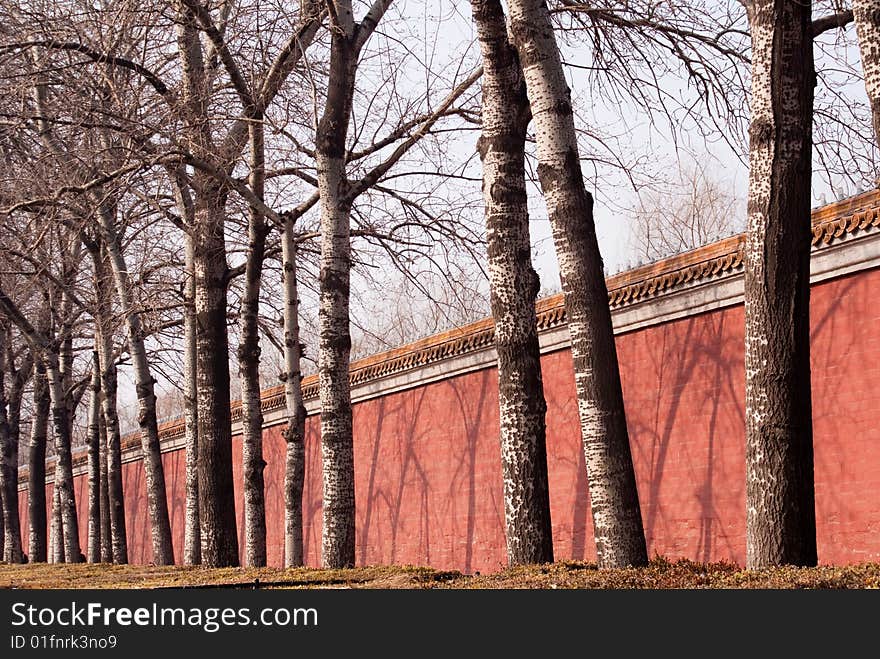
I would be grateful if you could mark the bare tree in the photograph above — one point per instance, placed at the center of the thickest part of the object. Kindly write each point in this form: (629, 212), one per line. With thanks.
(37, 536)
(106, 530)
(8, 456)
(338, 193)
(192, 537)
(614, 500)
(94, 464)
(56, 529)
(695, 210)
(294, 434)
(514, 285)
(216, 505)
(109, 386)
(781, 523)
(780, 493)
(105, 207)
(249, 357)
(63, 480)
(348, 37)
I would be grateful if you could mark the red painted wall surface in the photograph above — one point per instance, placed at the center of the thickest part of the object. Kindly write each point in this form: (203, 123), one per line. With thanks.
(428, 468)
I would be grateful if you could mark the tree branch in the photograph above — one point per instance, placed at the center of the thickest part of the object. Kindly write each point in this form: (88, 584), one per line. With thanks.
(238, 82)
(97, 57)
(831, 22)
(369, 23)
(377, 172)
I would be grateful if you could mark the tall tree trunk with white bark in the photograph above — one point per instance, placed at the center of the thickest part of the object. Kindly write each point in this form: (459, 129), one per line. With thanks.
(249, 363)
(154, 472)
(49, 348)
(104, 493)
(63, 481)
(513, 288)
(37, 537)
(109, 386)
(56, 530)
(192, 538)
(614, 500)
(19, 376)
(93, 442)
(8, 481)
(781, 517)
(294, 434)
(216, 507)
(337, 449)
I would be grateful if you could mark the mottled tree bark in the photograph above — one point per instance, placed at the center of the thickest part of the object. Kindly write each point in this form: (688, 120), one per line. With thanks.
(19, 376)
(249, 364)
(104, 341)
(216, 501)
(63, 481)
(216, 507)
(192, 539)
(93, 442)
(294, 434)
(216, 491)
(337, 449)
(866, 14)
(781, 519)
(614, 500)
(106, 534)
(157, 503)
(56, 531)
(8, 482)
(513, 288)
(37, 537)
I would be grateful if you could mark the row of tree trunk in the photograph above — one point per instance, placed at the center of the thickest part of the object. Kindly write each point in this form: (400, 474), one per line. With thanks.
(523, 84)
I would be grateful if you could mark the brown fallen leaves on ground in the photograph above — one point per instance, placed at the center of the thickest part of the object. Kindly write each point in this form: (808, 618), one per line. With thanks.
(660, 574)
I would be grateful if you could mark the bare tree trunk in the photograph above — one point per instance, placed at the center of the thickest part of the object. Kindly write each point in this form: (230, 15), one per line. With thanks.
(216, 499)
(61, 423)
(337, 449)
(866, 14)
(514, 286)
(294, 434)
(56, 532)
(192, 541)
(216, 507)
(104, 340)
(37, 540)
(160, 525)
(781, 518)
(614, 500)
(64, 464)
(19, 376)
(94, 463)
(103, 493)
(8, 477)
(249, 364)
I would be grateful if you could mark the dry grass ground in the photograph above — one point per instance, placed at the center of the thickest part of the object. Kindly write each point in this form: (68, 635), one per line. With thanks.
(660, 574)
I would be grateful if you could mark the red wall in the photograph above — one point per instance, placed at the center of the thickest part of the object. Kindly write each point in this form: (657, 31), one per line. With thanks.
(428, 483)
